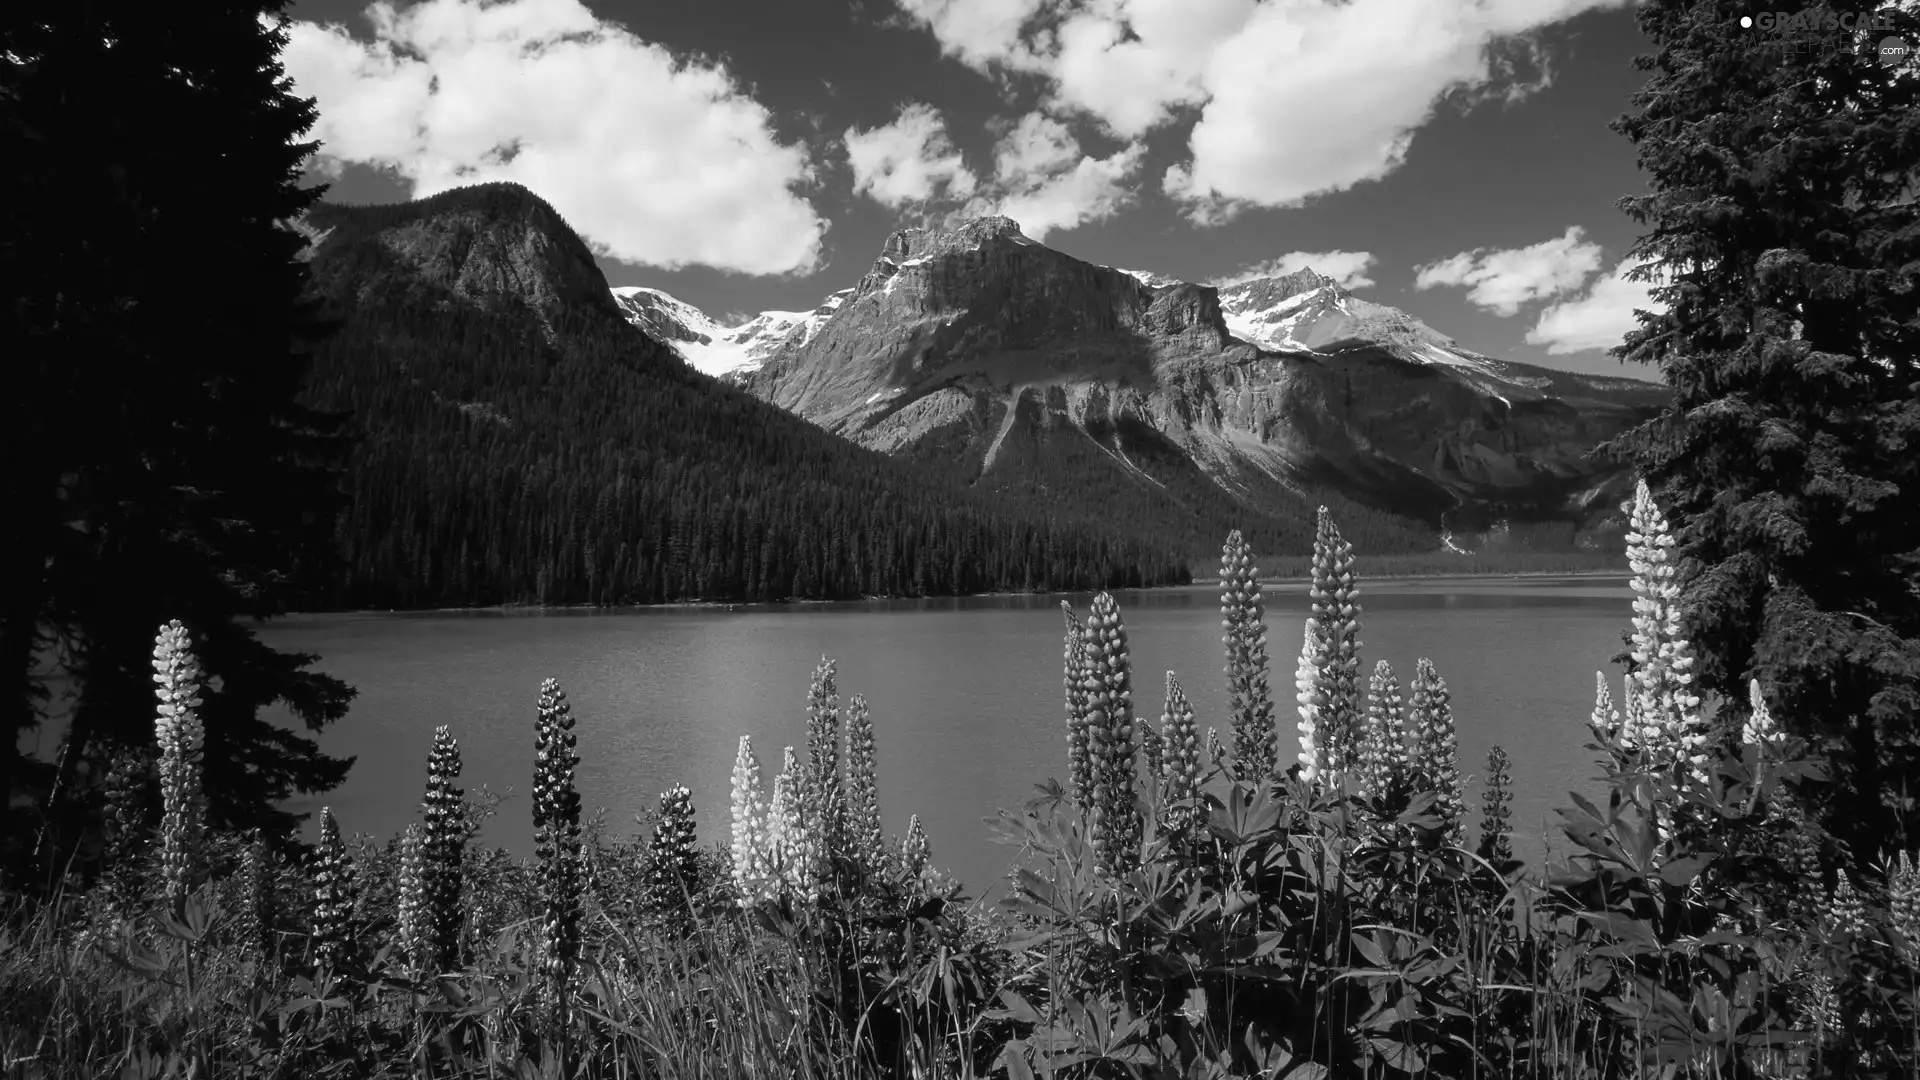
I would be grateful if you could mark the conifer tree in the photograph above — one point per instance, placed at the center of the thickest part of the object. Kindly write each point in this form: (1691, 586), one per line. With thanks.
(160, 462)
(1783, 227)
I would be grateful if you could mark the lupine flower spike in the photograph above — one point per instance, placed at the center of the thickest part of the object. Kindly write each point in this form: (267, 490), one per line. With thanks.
(825, 800)
(1110, 737)
(863, 791)
(1846, 912)
(1079, 761)
(1436, 748)
(1605, 720)
(1151, 746)
(1668, 710)
(334, 896)
(254, 911)
(1243, 620)
(1496, 829)
(1179, 755)
(790, 839)
(1903, 905)
(415, 925)
(557, 840)
(181, 739)
(443, 852)
(1383, 748)
(915, 852)
(1336, 617)
(752, 876)
(672, 872)
(1309, 691)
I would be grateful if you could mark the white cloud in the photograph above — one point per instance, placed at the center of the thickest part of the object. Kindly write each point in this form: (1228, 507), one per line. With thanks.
(1501, 281)
(655, 160)
(1348, 269)
(1044, 181)
(1296, 97)
(909, 159)
(1597, 320)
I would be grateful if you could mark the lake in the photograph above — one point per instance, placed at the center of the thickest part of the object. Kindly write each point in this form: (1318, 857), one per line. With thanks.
(965, 694)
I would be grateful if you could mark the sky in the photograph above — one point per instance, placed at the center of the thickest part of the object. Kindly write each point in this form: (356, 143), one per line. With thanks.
(1448, 157)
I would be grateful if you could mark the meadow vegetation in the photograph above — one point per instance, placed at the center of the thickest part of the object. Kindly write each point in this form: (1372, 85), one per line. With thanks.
(1238, 899)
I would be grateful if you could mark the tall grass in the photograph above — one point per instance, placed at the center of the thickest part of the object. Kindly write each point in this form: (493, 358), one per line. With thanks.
(1293, 899)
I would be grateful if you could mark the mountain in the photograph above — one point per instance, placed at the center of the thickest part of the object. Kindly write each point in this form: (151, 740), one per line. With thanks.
(1016, 368)
(520, 441)
(707, 345)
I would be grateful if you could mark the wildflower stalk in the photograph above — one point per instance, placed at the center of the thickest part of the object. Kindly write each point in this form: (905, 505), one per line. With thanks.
(1903, 906)
(181, 740)
(1079, 760)
(1383, 744)
(1310, 693)
(915, 852)
(1150, 744)
(825, 798)
(1436, 749)
(1496, 828)
(863, 791)
(124, 827)
(1179, 766)
(557, 843)
(254, 914)
(1244, 621)
(1665, 706)
(415, 923)
(443, 854)
(1336, 618)
(790, 839)
(672, 870)
(1110, 737)
(335, 893)
(752, 873)
(1605, 722)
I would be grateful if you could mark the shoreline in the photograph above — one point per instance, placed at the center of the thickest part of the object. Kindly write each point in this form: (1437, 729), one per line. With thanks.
(536, 609)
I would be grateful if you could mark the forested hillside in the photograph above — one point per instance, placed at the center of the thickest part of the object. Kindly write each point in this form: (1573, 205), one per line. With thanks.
(519, 442)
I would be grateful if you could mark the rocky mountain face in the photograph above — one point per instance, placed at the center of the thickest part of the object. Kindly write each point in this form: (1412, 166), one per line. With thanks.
(1018, 367)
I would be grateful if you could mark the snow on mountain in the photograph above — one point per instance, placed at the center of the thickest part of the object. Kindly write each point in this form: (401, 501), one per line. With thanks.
(709, 346)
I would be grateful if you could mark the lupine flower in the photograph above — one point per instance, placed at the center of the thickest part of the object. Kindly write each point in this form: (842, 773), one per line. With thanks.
(752, 868)
(1310, 693)
(335, 892)
(181, 739)
(1846, 912)
(1496, 830)
(1150, 747)
(1760, 729)
(1110, 733)
(672, 870)
(415, 922)
(443, 849)
(1668, 710)
(557, 839)
(915, 852)
(1903, 904)
(1383, 745)
(1336, 617)
(1079, 761)
(1605, 720)
(825, 800)
(125, 790)
(1216, 751)
(863, 791)
(789, 835)
(1436, 749)
(1818, 1002)
(1179, 766)
(1243, 619)
(254, 909)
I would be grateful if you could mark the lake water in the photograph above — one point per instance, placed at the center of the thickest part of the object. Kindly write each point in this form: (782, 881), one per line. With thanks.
(965, 694)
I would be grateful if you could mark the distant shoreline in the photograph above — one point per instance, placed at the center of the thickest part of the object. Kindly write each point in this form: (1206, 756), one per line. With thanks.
(535, 609)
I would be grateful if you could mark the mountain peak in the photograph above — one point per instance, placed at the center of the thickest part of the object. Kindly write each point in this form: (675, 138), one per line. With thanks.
(970, 234)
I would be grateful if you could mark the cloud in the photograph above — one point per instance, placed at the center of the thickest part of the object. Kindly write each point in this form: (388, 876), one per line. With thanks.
(1295, 97)
(907, 160)
(1045, 181)
(1348, 269)
(1598, 319)
(1501, 281)
(656, 160)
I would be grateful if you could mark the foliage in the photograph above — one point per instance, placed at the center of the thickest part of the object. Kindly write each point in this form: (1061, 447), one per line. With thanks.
(159, 463)
(1782, 235)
